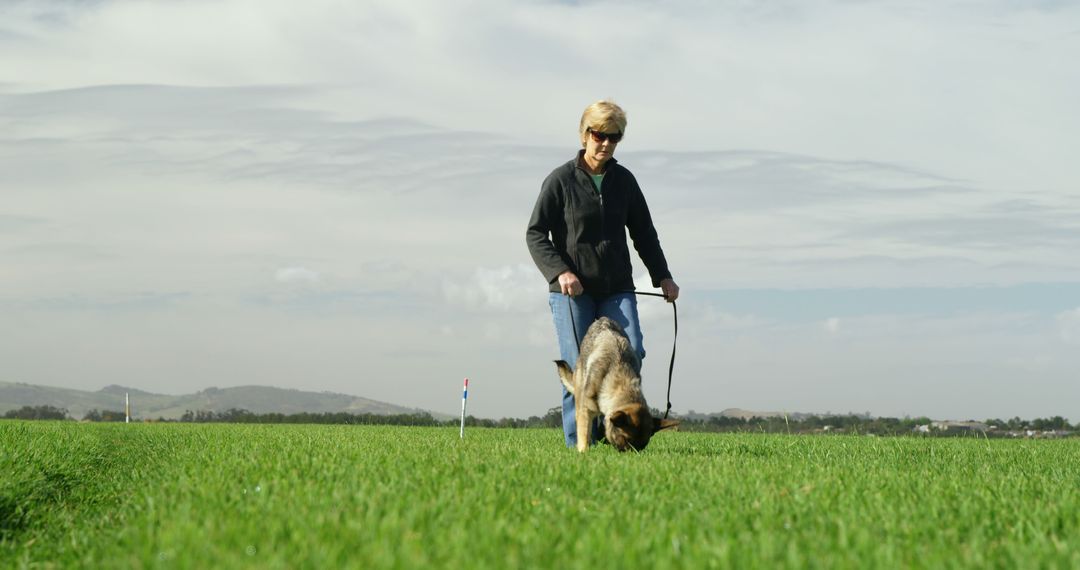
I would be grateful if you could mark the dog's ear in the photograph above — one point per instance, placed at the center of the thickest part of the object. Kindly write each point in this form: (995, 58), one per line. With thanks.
(619, 418)
(662, 424)
(566, 375)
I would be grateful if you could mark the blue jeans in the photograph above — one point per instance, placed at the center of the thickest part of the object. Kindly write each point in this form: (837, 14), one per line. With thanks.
(620, 307)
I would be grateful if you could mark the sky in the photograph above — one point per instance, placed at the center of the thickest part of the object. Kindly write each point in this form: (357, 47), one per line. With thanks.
(870, 207)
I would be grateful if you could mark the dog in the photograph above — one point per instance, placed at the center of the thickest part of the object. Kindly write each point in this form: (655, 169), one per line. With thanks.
(607, 382)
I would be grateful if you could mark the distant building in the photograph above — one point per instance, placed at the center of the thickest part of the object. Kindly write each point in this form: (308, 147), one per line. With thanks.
(951, 426)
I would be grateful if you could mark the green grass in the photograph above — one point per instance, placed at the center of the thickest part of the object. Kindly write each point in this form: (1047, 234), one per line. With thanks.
(277, 496)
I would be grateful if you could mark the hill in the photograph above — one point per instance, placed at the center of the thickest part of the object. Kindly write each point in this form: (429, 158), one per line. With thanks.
(147, 405)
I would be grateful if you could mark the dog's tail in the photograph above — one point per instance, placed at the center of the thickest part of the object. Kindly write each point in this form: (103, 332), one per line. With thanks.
(566, 375)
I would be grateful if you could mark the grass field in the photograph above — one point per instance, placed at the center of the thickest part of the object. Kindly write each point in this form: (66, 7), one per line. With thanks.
(276, 496)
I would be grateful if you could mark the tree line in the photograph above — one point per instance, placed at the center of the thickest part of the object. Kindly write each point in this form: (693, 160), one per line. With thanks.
(239, 415)
(242, 416)
(850, 424)
(862, 424)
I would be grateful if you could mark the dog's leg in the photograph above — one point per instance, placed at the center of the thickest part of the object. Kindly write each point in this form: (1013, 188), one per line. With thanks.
(584, 429)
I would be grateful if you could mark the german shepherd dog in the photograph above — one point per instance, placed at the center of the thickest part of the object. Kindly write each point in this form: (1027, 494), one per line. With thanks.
(608, 382)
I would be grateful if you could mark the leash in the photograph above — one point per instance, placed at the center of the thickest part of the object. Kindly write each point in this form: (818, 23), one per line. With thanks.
(674, 339)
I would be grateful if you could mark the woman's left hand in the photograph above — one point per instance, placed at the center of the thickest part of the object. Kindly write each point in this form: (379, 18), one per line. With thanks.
(670, 290)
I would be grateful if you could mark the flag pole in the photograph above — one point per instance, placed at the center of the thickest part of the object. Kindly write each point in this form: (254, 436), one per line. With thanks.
(464, 397)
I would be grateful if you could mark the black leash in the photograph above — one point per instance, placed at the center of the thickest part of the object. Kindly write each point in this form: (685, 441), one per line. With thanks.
(674, 339)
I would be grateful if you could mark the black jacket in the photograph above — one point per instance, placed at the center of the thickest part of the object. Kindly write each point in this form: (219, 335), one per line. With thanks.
(587, 234)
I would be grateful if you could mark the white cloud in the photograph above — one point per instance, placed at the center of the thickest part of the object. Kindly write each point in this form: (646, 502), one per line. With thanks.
(301, 275)
(651, 308)
(832, 325)
(720, 321)
(934, 87)
(510, 288)
(1069, 326)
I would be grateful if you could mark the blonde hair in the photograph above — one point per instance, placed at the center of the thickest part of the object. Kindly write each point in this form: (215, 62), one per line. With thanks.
(603, 115)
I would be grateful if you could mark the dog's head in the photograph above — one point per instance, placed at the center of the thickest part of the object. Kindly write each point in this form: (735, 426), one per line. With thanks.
(632, 427)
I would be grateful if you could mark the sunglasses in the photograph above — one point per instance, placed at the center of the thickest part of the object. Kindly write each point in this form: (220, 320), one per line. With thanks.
(601, 137)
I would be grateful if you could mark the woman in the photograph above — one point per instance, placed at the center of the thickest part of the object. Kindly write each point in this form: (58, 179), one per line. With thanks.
(577, 237)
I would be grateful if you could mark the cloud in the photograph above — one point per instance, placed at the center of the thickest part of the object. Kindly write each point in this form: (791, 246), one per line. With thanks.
(777, 181)
(975, 230)
(825, 79)
(1069, 326)
(132, 303)
(11, 224)
(831, 325)
(510, 288)
(61, 251)
(209, 153)
(301, 275)
(809, 305)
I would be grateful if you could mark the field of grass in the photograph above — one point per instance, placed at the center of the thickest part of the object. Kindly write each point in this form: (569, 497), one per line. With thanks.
(277, 496)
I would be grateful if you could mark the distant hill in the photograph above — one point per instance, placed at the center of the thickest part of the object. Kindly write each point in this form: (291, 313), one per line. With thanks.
(147, 405)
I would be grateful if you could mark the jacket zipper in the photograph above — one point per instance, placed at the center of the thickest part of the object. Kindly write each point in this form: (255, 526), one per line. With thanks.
(603, 258)
(606, 260)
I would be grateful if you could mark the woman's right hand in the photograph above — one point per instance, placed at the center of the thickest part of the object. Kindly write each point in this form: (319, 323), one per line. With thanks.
(569, 284)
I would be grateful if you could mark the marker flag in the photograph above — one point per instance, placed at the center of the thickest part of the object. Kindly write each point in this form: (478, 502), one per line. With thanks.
(464, 397)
